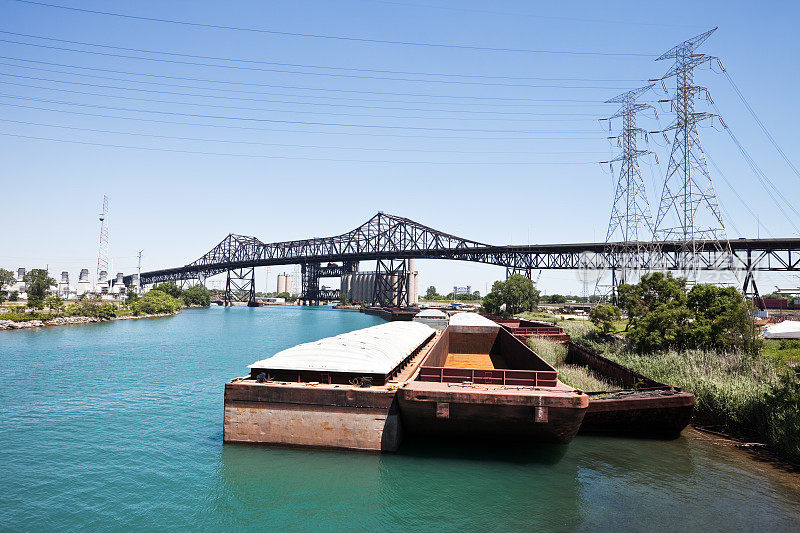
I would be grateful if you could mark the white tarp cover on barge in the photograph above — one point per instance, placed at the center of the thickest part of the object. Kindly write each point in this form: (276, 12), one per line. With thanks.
(374, 350)
(472, 319)
(788, 329)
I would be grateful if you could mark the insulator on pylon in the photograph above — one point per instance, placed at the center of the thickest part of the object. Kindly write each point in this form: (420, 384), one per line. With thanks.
(664, 85)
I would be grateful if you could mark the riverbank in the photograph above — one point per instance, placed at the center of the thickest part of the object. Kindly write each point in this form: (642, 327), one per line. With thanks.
(748, 397)
(71, 320)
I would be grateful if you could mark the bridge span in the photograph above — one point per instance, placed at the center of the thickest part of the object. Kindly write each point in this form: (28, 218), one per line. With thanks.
(392, 241)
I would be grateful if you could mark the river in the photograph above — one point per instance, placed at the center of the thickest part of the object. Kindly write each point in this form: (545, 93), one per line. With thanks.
(118, 426)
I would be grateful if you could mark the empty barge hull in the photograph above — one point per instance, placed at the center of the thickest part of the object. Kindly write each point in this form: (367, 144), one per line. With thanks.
(479, 380)
(643, 408)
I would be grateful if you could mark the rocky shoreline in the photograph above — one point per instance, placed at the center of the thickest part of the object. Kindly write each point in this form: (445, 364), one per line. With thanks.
(70, 320)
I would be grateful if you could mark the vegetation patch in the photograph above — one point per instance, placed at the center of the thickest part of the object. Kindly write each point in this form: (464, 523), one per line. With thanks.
(575, 376)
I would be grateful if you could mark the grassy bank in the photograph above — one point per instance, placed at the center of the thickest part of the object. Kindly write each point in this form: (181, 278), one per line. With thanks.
(575, 376)
(755, 397)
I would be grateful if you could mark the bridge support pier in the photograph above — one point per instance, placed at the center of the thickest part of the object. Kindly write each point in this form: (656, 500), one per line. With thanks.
(240, 284)
(391, 283)
(510, 271)
(749, 288)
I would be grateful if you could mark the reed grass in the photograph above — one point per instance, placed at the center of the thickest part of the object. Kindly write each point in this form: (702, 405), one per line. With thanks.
(751, 396)
(575, 376)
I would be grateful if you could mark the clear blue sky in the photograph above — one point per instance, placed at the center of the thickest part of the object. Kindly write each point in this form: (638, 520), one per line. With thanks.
(503, 149)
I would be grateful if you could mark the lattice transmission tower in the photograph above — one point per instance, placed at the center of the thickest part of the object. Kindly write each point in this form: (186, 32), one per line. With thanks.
(103, 250)
(631, 221)
(689, 210)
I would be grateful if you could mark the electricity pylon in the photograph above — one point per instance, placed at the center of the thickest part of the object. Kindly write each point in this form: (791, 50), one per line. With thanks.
(630, 228)
(103, 249)
(688, 195)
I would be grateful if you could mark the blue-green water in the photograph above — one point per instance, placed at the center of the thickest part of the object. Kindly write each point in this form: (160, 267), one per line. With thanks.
(118, 426)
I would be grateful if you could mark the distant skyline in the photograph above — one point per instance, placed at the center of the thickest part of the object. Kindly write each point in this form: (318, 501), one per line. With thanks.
(289, 120)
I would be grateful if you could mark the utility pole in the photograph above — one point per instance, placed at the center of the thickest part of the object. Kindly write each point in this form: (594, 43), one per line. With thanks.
(630, 220)
(139, 273)
(688, 198)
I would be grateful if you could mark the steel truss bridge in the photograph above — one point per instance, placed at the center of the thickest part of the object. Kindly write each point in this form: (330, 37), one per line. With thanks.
(392, 240)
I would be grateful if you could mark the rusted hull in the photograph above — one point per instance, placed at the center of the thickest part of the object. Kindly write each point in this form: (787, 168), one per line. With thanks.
(432, 409)
(647, 409)
(470, 420)
(660, 417)
(321, 416)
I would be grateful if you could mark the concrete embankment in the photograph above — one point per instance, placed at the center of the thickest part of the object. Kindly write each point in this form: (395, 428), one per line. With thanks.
(69, 320)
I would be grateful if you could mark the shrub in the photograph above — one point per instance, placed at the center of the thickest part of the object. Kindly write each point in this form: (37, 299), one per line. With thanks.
(93, 307)
(197, 295)
(155, 302)
(603, 316)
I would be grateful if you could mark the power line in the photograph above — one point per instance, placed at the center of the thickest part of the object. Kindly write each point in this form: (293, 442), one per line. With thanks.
(263, 156)
(325, 74)
(760, 124)
(240, 108)
(544, 17)
(256, 143)
(552, 101)
(294, 87)
(330, 37)
(275, 121)
(293, 102)
(741, 200)
(301, 65)
(558, 136)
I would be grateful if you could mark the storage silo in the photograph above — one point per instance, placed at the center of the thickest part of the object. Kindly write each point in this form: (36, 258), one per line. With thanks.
(281, 283)
(290, 284)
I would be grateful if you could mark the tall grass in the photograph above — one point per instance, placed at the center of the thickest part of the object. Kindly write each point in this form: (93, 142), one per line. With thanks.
(575, 376)
(750, 396)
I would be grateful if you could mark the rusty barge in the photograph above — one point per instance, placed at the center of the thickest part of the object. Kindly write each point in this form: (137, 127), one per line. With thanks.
(480, 380)
(640, 406)
(364, 389)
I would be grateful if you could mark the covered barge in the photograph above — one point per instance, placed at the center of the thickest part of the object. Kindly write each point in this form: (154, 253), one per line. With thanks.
(338, 392)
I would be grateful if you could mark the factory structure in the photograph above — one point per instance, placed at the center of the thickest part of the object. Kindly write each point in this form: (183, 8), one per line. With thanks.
(360, 286)
(105, 288)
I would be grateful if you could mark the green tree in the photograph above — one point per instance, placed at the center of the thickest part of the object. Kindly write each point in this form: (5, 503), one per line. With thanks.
(197, 295)
(156, 302)
(491, 302)
(131, 296)
(721, 318)
(516, 294)
(286, 296)
(38, 285)
(603, 316)
(7, 280)
(13, 296)
(169, 287)
(54, 302)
